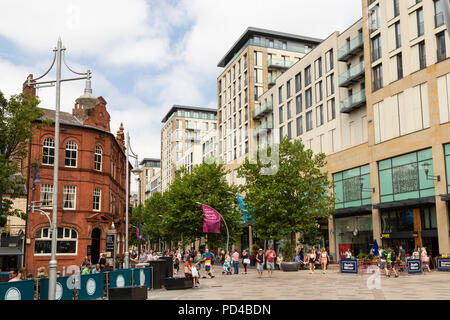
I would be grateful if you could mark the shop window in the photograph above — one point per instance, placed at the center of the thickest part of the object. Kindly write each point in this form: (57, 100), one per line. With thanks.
(66, 243)
(428, 217)
(352, 187)
(397, 221)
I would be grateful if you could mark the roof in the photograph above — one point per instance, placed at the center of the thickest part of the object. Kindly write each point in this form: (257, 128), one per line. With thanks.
(149, 160)
(252, 31)
(177, 107)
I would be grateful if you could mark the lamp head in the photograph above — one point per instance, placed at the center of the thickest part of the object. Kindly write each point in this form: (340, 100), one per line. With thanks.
(88, 100)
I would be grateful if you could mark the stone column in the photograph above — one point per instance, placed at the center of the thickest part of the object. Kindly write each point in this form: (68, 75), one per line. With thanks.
(332, 238)
(376, 225)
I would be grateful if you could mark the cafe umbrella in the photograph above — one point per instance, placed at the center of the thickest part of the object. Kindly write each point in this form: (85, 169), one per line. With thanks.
(375, 247)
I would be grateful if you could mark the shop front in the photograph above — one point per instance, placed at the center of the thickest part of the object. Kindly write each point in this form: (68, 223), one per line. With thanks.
(407, 202)
(353, 216)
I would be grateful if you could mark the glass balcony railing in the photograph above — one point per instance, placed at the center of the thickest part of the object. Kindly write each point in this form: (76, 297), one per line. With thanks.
(279, 63)
(192, 137)
(192, 126)
(351, 75)
(263, 109)
(355, 44)
(272, 81)
(278, 46)
(264, 127)
(353, 102)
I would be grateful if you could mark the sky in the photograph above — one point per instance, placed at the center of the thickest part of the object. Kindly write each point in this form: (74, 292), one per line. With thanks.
(146, 55)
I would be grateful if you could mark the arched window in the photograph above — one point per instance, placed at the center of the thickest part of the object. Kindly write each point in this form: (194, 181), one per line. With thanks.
(71, 154)
(98, 158)
(48, 151)
(66, 242)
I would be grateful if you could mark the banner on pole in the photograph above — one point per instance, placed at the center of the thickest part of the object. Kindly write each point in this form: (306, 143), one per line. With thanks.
(211, 220)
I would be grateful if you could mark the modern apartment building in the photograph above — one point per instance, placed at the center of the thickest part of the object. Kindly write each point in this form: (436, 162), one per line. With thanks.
(183, 128)
(150, 178)
(315, 100)
(395, 187)
(251, 67)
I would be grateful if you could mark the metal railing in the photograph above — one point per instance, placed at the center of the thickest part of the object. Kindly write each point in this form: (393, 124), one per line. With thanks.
(351, 46)
(352, 73)
(265, 107)
(353, 101)
(279, 63)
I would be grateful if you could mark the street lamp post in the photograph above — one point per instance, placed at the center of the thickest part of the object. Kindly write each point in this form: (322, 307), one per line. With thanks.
(139, 204)
(228, 234)
(87, 100)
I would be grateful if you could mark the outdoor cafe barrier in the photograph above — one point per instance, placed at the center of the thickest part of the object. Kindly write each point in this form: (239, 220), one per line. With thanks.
(76, 287)
(414, 266)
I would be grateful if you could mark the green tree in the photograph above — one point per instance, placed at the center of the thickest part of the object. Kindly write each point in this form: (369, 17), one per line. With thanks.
(183, 217)
(294, 198)
(18, 117)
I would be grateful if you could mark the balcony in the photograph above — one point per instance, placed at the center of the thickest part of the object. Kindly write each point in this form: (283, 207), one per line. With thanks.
(352, 75)
(354, 102)
(192, 126)
(351, 49)
(262, 110)
(272, 81)
(279, 63)
(192, 137)
(264, 127)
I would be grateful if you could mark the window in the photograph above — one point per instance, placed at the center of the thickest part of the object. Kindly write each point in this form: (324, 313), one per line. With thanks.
(422, 55)
(398, 35)
(46, 195)
(319, 92)
(318, 68)
(428, 217)
(308, 98)
(71, 154)
(319, 116)
(377, 77)
(299, 126)
(331, 110)
(396, 8)
(298, 104)
(439, 14)
(289, 130)
(329, 60)
(308, 76)
(440, 44)
(374, 18)
(289, 113)
(66, 242)
(309, 123)
(96, 199)
(280, 94)
(376, 48)
(288, 89)
(281, 133)
(70, 193)
(280, 113)
(48, 151)
(98, 158)
(298, 82)
(399, 66)
(420, 25)
(330, 85)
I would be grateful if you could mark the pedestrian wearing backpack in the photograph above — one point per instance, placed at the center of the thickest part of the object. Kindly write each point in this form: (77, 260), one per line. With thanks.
(392, 258)
(383, 261)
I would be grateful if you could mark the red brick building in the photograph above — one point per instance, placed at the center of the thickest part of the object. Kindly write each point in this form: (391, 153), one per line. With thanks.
(91, 189)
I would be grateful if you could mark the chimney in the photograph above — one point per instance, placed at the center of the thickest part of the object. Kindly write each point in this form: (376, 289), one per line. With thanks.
(78, 110)
(120, 137)
(29, 90)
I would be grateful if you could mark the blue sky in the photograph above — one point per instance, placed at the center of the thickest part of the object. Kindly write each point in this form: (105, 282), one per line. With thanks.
(147, 55)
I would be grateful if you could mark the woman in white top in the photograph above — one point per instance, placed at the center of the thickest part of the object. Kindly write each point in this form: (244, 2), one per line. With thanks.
(312, 258)
(324, 259)
(425, 259)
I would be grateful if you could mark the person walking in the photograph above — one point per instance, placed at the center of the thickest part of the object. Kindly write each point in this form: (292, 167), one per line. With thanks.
(324, 260)
(260, 259)
(425, 259)
(235, 258)
(245, 260)
(207, 258)
(391, 259)
(270, 260)
(383, 261)
(312, 259)
(402, 258)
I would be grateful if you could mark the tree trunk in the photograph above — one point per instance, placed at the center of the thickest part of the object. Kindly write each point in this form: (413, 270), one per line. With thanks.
(293, 243)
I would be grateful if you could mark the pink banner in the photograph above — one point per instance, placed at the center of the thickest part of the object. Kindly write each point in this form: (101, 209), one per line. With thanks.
(211, 220)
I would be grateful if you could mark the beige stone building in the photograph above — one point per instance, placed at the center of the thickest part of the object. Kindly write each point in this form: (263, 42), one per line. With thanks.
(149, 178)
(184, 127)
(251, 67)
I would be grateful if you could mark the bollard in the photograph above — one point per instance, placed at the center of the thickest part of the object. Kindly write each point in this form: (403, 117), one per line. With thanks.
(64, 271)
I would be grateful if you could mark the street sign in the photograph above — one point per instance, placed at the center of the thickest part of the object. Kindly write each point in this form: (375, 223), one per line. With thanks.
(414, 266)
(349, 266)
(443, 264)
(110, 242)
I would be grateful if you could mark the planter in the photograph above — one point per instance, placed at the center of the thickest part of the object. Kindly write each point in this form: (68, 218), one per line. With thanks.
(289, 266)
(178, 283)
(128, 293)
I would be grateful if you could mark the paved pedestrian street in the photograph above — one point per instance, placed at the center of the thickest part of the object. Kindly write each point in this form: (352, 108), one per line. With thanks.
(302, 285)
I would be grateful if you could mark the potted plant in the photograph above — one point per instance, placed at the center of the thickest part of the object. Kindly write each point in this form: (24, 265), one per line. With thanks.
(288, 264)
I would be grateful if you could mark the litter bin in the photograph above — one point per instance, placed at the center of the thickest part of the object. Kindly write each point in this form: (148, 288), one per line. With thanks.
(169, 266)
(159, 273)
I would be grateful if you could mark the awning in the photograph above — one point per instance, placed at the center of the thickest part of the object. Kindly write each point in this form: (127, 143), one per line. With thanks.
(354, 211)
(405, 203)
(6, 251)
(445, 197)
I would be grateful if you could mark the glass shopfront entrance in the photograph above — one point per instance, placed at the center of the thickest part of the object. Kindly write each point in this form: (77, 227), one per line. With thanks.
(354, 232)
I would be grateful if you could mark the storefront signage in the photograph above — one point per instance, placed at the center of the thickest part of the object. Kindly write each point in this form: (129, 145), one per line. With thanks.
(414, 266)
(385, 235)
(349, 266)
(110, 242)
(443, 264)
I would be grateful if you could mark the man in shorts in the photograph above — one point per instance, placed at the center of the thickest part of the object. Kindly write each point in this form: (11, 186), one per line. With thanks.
(383, 261)
(270, 260)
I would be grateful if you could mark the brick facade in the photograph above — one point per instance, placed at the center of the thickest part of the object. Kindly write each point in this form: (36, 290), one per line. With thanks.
(88, 128)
